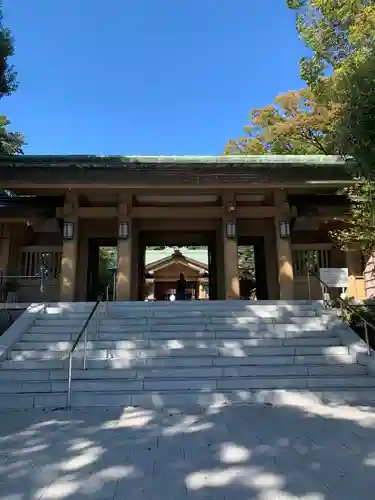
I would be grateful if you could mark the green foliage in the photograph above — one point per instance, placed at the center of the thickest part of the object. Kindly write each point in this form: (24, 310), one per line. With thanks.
(354, 92)
(107, 266)
(11, 143)
(334, 30)
(8, 81)
(246, 261)
(359, 230)
(295, 124)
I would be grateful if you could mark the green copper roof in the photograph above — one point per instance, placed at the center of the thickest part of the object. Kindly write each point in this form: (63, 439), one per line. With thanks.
(198, 254)
(92, 160)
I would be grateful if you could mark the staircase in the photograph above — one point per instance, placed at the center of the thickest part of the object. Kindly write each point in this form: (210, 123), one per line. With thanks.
(183, 353)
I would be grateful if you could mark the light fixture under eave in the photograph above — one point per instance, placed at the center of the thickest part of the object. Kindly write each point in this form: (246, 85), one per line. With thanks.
(68, 232)
(284, 228)
(123, 230)
(231, 230)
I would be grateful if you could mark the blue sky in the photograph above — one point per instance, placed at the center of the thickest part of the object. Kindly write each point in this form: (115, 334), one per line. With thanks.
(146, 77)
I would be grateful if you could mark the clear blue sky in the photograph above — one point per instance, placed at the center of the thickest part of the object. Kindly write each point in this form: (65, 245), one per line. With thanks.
(146, 77)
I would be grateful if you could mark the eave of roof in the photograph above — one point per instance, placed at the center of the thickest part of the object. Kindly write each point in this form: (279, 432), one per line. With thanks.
(121, 161)
(175, 259)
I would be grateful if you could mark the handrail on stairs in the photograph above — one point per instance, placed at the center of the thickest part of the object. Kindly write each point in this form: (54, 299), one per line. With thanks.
(83, 332)
(344, 304)
(41, 276)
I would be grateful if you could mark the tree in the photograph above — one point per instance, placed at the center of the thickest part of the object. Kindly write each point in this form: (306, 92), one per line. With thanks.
(354, 93)
(333, 30)
(295, 124)
(8, 81)
(10, 142)
(360, 228)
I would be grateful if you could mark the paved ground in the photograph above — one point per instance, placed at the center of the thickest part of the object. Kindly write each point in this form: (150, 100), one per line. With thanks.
(232, 453)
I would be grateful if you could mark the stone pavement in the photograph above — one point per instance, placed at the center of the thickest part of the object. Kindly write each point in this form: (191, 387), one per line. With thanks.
(299, 450)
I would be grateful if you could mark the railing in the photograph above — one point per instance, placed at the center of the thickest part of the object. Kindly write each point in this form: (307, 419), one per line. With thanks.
(83, 332)
(6, 279)
(35, 257)
(344, 304)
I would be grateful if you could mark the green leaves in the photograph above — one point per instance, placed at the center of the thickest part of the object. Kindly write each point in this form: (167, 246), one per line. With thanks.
(8, 82)
(360, 228)
(296, 123)
(11, 143)
(334, 30)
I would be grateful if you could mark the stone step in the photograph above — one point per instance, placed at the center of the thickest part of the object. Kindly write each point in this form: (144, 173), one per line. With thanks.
(253, 336)
(239, 332)
(178, 344)
(261, 340)
(211, 322)
(177, 362)
(58, 322)
(211, 372)
(186, 400)
(213, 304)
(212, 334)
(202, 385)
(63, 329)
(183, 352)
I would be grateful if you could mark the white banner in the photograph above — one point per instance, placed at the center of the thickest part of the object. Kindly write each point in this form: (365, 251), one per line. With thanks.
(335, 277)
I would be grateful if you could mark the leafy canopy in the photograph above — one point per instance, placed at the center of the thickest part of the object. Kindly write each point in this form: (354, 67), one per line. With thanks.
(10, 142)
(333, 30)
(296, 123)
(354, 92)
(8, 81)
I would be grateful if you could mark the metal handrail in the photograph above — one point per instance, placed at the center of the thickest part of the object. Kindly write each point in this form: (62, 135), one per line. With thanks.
(345, 304)
(41, 277)
(83, 331)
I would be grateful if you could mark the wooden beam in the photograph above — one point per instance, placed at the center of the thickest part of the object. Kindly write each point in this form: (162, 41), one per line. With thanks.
(173, 212)
(255, 212)
(172, 187)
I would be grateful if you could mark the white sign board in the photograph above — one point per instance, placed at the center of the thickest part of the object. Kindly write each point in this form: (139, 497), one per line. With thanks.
(335, 277)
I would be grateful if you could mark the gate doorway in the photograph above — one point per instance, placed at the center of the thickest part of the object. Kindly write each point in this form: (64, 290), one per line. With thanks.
(192, 254)
(252, 268)
(101, 266)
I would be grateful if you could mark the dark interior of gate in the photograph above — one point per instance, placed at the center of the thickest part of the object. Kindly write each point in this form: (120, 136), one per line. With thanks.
(101, 264)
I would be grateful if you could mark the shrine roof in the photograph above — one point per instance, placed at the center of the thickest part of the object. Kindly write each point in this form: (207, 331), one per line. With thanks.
(123, 161)
(173, 170)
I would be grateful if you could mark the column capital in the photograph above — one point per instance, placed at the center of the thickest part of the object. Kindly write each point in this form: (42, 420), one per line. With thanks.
(229, 205)
(281, 203)
(124, 206)
(71, 205)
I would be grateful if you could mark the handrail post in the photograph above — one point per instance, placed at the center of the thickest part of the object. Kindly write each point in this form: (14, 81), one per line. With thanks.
(97, 323)
(85, 349)
(344, 304)
(70, 380)
(309, 283)
(84, 331)
(342, 308)
(367, 339)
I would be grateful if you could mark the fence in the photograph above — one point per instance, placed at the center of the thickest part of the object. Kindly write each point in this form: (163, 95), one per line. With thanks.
(37, 260)
(309, 257)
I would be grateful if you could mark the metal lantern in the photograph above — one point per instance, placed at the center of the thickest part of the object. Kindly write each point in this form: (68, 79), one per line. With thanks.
(231, 230)
(123, 230)
(284, 228)
(68, 232)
